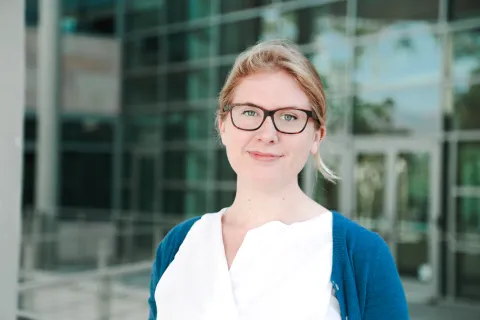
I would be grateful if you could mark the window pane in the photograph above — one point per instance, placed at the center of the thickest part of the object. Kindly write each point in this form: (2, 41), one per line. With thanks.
(189, 85)
(30, 128)
(189, 125)
(142, 131)
(199, 8)
(177, 47)
(466, 54)
(177, 11)
(323, 24)
(189, 165)
(87, 130)
(235, 5)
(173, 202)
(190, 45)
(468, 274)
(467, 112)
(469, 164)
(224, 199)
(397, 111)
(142, 89)
(464, 9)
(379, 15)
(468, 229)
(143, 15)
(86, 180)
(332, 66)
(223, 72)
(238, 36)
(224, 171)
(195, 203)
(411, 57)
(326, 192)
(143, 52)
(337, 111)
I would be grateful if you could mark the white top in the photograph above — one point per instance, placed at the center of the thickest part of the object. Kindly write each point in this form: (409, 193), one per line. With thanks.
(280, 272)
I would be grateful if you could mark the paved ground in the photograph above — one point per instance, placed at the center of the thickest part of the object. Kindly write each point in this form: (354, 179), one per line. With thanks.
(443, 312)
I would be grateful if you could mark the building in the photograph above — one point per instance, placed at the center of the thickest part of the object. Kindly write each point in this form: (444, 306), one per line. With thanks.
(403, 89)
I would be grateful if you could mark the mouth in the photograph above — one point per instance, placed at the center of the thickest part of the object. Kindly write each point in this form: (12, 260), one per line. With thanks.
(264, 156)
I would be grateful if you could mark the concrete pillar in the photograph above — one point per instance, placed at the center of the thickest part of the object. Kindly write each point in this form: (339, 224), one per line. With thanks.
(12, 97)
(48, 128)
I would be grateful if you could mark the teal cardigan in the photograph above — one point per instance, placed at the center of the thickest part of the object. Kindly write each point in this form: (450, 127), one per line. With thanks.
(364, 275)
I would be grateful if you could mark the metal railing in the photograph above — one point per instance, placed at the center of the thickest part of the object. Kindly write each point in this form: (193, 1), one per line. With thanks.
(91, 264)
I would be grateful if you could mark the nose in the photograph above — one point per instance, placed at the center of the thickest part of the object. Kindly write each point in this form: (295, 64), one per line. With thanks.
(267, 132)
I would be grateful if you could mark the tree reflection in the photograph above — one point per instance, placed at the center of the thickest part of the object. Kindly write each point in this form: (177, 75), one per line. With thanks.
(467, 110)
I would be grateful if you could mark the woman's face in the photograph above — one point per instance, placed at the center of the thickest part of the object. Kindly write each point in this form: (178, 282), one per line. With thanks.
(266, 156)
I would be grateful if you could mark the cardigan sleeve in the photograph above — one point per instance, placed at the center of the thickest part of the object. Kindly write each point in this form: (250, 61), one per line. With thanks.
(154, 278)
(164, 255)
(385, 296)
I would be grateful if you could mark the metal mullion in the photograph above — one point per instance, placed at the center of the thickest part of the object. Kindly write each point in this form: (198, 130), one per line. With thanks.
(451, 234)
(211, 196)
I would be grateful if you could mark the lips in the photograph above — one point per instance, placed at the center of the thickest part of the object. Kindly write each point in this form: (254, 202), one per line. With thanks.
(264, 156)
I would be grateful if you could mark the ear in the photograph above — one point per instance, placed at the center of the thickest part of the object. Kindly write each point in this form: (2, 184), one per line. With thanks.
(318, 136)
(221, 129)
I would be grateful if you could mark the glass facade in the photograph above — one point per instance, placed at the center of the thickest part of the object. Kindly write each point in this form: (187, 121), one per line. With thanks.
(402, 81)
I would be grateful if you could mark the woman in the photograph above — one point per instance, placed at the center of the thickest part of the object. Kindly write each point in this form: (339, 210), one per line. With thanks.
(274, 253)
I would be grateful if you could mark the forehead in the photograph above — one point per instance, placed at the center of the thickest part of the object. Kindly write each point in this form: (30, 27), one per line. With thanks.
(271, 90)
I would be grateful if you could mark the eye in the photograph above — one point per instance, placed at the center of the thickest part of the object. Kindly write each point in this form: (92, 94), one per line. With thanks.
(250, 113)
(289, 117)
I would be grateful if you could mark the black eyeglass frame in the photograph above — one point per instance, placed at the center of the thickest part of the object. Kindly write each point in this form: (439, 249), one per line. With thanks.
(269, 113)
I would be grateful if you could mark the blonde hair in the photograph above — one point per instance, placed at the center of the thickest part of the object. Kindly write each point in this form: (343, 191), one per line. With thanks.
(274, 55)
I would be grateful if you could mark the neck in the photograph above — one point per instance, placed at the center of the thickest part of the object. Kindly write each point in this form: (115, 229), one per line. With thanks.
(254, 206)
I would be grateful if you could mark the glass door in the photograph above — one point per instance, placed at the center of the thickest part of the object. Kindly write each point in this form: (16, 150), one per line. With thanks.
(396, 195)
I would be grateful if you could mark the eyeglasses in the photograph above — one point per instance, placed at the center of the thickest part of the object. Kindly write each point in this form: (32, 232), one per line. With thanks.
(250, 117)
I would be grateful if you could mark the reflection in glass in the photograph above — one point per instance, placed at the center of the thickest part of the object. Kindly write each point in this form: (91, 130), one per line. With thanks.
(142, 131)
(235, 5)
(141, 89)
(185, 165)
(188, 125)
(466, 115)
(326, 193)
(189, 45)
(413, 56)
(412, 201)
(324, 25)
(195, 203)
(468, 217)
(223, 170)
(370, 185)
(468, 275)
(235, 37)
(189, 85)
(466, 54)
(415, 109)
(380, 15)
(469, 164)
(275, 25)
(143, 52)
(183, 10)
(224, 199)
(86, 179)
(144, 183)
(173, 202)
(141, 15)
(464, 9)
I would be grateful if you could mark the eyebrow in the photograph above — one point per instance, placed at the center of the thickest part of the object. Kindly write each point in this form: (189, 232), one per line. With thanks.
(246, 103)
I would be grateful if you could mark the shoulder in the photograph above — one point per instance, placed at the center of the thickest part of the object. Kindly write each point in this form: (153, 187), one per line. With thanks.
(174, 238)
